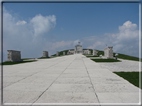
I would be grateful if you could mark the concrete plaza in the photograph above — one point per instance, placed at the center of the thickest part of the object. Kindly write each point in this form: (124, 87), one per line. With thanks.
(67, 79)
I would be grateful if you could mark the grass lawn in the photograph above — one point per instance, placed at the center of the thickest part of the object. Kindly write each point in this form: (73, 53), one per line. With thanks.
(43, 57)
(12, 63)
(105, 60)
(127, 57)
(132, 77)
(27, 59)
(91, 56)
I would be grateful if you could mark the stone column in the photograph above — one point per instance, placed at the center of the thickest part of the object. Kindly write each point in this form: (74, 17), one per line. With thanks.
(64, 53)
(57, 54)
(95, 52)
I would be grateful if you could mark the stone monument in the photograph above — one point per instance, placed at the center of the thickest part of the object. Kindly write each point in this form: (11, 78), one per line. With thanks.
(108, 52)
(64, 53)
(86, 52)
(78, 48)
(57, 54)
(14, 56)
(45, 54)
(95, 52)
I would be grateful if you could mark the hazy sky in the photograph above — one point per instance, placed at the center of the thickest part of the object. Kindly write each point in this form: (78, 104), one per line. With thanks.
(35, 27)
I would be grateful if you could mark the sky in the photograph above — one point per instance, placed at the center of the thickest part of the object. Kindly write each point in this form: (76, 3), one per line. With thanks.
(36, 27)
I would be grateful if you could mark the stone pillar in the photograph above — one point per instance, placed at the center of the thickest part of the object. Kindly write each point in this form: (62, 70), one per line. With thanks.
(45, 54)
(57, 54)
(108, 52)
(89, 52)
(95, 52)
(14, 55)
(64, 53)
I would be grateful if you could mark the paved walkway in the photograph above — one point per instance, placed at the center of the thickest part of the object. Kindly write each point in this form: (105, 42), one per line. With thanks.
(124, 65)
(66, 79)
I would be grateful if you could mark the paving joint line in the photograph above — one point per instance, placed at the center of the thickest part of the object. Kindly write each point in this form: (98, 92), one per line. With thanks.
(32, 74)
(52, 82)
(91, 82)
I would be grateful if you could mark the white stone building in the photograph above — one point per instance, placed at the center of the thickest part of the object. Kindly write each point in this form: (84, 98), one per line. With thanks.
(108, 52)
(86, 52)
(14, 55)
(71, 52)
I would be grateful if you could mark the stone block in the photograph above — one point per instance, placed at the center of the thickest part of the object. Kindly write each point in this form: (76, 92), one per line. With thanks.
(14, 55)
(108, 52)
(45, 54)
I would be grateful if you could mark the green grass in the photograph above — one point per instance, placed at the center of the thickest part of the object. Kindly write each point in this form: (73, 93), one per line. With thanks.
(132, 77)
(61, 53)
(100, 52)
(12, 63)
(127, 57)
(105, 60)
(91, 56)
(43, 57)
(27, 58)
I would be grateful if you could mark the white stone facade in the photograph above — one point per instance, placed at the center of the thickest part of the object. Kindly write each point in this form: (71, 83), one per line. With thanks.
(87, 52)
(45, 54)
(71, 52)
(14, 55)
(108, 52)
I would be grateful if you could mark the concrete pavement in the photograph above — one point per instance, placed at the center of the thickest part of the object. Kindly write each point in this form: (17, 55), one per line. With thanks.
(66, 79)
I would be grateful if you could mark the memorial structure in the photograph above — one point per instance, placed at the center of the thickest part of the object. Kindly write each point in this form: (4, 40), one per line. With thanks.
(108, 52)
(86, 52)
(14, 56)
(64, 53)
(95, 52)
(57, 54)
(45, 54)
(78, 48)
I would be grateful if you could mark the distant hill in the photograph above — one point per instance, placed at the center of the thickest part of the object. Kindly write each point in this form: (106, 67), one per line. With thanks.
(61, 52)
(127, 57)
(121, 56)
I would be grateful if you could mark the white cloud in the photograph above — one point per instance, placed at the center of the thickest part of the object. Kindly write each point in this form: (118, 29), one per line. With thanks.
(125, 41)
(128, 25)
(21, 22)
(43, 24)
(76, 42)
(23, 36)
(127, 31)
(61, 45)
